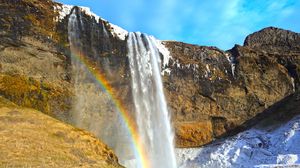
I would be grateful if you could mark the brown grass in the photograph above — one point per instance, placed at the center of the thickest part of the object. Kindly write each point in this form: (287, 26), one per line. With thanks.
(29, 138)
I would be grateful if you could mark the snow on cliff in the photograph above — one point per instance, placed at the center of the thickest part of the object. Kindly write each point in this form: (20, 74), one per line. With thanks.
(116, 30)
(273, 147)
(119, 32)
(65, 10)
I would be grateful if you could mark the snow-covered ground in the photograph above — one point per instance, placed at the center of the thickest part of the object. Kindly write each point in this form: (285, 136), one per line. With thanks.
(272, 147)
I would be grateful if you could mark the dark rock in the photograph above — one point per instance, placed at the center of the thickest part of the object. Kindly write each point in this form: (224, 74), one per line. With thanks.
(274, 40)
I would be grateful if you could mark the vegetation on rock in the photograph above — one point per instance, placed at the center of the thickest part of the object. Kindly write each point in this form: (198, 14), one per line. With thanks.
(28, 92)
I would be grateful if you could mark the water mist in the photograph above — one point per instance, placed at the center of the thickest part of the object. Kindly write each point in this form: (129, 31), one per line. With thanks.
(149, 100)
(93, 110)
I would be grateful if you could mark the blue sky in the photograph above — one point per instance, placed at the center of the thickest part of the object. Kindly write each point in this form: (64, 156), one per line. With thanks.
(220, 23)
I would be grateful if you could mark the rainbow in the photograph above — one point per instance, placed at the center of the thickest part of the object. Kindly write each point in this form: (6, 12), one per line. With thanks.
(121, 108)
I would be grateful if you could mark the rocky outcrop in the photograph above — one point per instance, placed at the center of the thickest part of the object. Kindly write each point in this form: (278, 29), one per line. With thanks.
(32, 139)
(210, 92)
(224, 89)
(274, 40)
(283, 44)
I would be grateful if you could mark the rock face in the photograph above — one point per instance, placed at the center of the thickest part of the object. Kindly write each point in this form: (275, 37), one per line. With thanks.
(33, 68)
(210, 92)
(34, 54)
(32, 139)
(285, 45)
(223, 89)
(274, 40)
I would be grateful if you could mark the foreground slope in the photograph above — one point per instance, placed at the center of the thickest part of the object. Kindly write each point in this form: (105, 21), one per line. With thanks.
(28, 138)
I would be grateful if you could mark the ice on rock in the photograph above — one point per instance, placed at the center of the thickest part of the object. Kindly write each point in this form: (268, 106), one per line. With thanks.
(164, 51)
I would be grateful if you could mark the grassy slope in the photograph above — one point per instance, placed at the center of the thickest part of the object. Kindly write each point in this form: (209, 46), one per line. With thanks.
(29, 138)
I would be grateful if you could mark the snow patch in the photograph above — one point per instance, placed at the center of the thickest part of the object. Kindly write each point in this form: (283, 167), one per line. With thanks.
(167, 70)
(287, 159)
(252, 148)
(63, 11)
(116, 30)
(178, 65)
(88, 11)
(119, 32)
(232, 63)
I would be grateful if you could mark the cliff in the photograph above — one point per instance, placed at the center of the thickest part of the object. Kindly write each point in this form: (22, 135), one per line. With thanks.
(210, 92)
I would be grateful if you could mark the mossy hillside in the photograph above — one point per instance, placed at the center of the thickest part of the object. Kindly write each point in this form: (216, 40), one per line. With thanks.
(46, 97)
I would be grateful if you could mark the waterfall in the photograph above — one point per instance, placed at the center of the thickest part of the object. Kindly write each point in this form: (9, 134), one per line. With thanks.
(151, 108)
(104, 30)
(94, 110)
(78, 72)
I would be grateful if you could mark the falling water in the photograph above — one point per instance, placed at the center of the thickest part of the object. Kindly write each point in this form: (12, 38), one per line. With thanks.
(93, 109)
(89, 111)
(77, 71)
(104, 30)
(151, 108)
